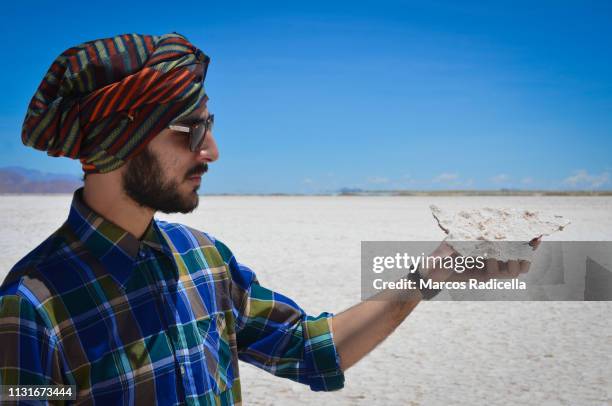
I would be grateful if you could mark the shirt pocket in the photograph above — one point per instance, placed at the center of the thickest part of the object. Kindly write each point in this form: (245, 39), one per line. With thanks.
(217, 352)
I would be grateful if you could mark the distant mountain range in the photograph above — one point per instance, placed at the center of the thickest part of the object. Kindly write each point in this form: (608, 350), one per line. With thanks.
(15, 179)
(18, 180)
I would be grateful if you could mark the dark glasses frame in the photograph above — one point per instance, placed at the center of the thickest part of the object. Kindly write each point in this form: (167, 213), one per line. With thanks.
(197, 131)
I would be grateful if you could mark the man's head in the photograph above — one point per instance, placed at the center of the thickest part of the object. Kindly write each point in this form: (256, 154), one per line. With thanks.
(109, 103)
(103, 101)
(166, 175)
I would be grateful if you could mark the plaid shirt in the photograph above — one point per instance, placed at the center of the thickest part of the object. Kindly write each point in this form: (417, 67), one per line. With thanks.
(159, 320)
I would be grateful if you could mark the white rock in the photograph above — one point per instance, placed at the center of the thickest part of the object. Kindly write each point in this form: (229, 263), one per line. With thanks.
(503, 234)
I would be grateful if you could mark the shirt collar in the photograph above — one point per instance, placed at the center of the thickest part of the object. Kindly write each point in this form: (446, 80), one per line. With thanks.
(115, 247)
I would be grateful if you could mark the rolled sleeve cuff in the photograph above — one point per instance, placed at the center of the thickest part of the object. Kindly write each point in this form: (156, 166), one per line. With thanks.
(321, 356)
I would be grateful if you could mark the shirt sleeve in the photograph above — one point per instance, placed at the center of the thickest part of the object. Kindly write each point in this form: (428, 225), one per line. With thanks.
(28, 355)
(275, 334)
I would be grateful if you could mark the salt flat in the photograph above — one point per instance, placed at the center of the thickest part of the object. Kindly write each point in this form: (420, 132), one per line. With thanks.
(455, 353)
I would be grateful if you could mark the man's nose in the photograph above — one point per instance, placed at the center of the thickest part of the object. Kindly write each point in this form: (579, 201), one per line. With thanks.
(208, 152)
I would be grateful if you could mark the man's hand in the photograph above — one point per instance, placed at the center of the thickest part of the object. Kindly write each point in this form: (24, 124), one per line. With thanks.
(493, 269)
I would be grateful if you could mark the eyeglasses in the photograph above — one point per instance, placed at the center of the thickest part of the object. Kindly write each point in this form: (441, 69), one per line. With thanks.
(197, 131)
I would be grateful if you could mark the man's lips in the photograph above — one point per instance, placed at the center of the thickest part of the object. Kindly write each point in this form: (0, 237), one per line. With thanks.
(199, 173)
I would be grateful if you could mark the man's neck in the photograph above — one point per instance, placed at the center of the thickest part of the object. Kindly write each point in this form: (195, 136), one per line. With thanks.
(105, 196)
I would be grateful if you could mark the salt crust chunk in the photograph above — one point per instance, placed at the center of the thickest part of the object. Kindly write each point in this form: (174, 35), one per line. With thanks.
(503, 234)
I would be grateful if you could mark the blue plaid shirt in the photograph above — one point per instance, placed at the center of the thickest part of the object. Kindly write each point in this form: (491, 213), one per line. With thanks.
(163, 319)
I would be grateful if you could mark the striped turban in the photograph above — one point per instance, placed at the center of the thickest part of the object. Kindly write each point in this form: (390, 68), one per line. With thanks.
(102, 101)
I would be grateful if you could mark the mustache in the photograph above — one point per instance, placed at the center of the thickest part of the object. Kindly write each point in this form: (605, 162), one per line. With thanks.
(197, 170)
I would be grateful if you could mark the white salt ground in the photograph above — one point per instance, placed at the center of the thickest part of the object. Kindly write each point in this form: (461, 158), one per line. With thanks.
(445, 353)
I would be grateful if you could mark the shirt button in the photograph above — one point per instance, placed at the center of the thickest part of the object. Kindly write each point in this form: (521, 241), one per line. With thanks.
(182, 370)
(142, 254)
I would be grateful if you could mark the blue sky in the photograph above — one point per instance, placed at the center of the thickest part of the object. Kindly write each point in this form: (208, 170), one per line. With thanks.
(315, 96)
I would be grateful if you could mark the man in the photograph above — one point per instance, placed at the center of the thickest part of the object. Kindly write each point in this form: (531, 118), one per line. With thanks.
(133, 310)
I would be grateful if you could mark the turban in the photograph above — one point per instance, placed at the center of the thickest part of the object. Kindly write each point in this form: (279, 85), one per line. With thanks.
(103, 101)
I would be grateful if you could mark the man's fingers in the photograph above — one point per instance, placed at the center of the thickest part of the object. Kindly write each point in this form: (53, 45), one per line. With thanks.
(524, 266)
(513, 268)
(506, 269)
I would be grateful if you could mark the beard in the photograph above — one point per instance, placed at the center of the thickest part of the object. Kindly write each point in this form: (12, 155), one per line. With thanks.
(143, 181)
